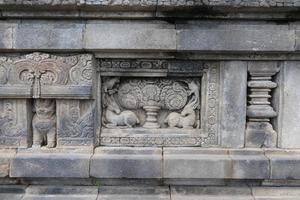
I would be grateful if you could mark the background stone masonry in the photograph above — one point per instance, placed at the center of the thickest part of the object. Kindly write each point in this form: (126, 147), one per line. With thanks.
(230, 3)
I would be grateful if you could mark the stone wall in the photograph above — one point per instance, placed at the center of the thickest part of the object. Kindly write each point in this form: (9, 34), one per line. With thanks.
(149, 99)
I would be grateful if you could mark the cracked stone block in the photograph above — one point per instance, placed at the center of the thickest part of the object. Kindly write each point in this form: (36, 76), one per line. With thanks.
(284, 165)
(249, 164)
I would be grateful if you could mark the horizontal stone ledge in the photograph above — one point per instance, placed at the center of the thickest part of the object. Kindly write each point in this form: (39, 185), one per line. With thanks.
(127, 162)
(284, 164)
(63, 192)
(141, 36)
(47, 165)
(187, 163)
(195, 163)
(6, 4)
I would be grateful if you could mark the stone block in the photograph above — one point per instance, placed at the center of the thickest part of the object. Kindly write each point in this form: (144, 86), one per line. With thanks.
(126, 162)
(289, 117)
(211, 193)
(270, 193)
(15, 122)
(234, 96)
(5, 158)
(6, 35)
(133, 193)
(61, 193)
(75, 165)
(12, 192)
(44, 35)
(249, 164)
(284, 165)
(235, 40)
(129, 36)
(297, 39)
(195, 163)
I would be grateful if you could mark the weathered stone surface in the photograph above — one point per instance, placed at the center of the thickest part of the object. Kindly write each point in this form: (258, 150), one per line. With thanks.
(211, 193)
(290, 106)
(6, 35)
(196, 163)
(75, 123)
(61, 193)
(270, 193)
(5, 158)
(131, 36)
(126, 162)
(45, 35)
(12, 192)
(133, 193)
(284, 164)
(234, 96)
(249, 164)
(235, 40)
(39, 164)
(15, 123)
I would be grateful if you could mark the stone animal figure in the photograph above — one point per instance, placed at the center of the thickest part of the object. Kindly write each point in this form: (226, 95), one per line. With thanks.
(187, 118)
(44, 123)
(114, 116)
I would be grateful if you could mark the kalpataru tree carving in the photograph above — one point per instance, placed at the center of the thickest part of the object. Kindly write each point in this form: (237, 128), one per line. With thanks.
(174, 118)
(260, 132)
(154, 97)
(41, 79)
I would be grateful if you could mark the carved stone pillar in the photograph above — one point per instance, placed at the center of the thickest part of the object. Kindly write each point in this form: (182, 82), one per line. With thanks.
(260, 132)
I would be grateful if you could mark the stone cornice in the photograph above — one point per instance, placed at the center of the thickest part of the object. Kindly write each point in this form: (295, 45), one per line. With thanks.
(149, 3)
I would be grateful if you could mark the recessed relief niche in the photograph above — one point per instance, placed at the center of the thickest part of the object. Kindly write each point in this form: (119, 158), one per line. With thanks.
(158, 103)
(151, 103)
(46, 101)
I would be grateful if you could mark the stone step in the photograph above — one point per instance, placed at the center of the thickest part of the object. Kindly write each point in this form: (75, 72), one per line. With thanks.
(44, 192)
(154, 163)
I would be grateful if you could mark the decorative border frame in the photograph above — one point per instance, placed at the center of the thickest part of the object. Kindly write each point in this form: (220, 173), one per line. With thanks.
(208, 134)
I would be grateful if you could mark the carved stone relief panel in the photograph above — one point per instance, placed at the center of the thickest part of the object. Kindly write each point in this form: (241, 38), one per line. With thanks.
(41, 75)
(168, 110)
(75, 123)
(15, 123)
(42, 119)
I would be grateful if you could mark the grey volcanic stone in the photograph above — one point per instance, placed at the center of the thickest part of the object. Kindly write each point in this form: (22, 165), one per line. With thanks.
(211, 193)
(6, 35)
(284, 165)
(249, 164)
(234, 98)
(273, 193)
(290, 108)
(196, 163)
(129, 36)
(61, 193)
(126, 162)
(45, 35)
(75, 165)
(5, 159)
(12, 192)
(236, 40)
(133, 193)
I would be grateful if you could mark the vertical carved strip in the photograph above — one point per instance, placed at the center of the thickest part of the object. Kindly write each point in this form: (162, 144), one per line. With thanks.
(260, 132)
